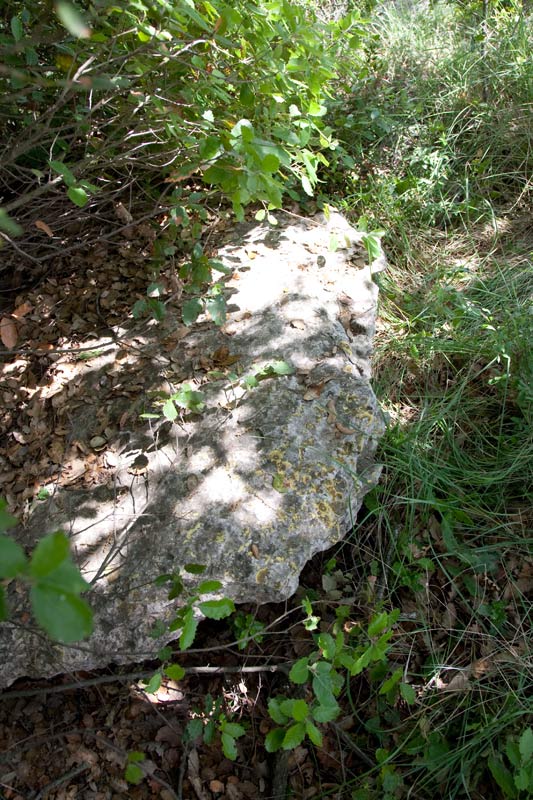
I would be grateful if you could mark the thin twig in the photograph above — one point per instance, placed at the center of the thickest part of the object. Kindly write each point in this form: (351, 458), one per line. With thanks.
(73, 773)
(137, 676)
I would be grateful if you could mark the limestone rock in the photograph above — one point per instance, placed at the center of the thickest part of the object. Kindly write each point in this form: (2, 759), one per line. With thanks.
(254, 485)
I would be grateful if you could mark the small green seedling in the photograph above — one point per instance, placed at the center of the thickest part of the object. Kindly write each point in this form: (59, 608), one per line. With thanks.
(212, 720)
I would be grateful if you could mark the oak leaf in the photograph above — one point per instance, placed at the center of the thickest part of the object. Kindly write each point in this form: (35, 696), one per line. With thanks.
(8, 332)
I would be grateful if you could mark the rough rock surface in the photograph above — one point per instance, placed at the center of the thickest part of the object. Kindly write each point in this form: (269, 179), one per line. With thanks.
(253, 486)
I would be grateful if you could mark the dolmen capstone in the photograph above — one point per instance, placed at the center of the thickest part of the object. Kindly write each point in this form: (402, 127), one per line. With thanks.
(264, 469)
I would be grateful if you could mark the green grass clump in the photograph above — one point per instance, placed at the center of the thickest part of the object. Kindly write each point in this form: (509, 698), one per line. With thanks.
(438, 145)
(440, 128)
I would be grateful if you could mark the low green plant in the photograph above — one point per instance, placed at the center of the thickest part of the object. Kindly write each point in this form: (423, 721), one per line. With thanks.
(187, 617)
(150, 305)
(513, 769)
(247, 629)
(55, 582)
(133, 773)
(210, 721)
(338, 657)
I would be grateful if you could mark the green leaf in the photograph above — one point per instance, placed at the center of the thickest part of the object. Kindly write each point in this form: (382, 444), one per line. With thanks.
(31, 56)
(135, 756)
(244, 129)
(12, 558)
(65, 617)
(194, 729)
(78, 196)
(523, 779)
(233, 729)
(176, 587)
(408, 693)
(372, 243)
(270, 163)
(189, 398)
(209, 586)
(512, 751)
(8, 225)
(300, 710)
(65, 578)
(246, 95)
(217, 609)
(216, 306)
(300, 671)
(210, 147)
(326, 713)
(323, 684)
(502, 776)
(139, 308)
(306, 185)
(190, 624)
(157, 309)
(391, 682)
(64, 171)
(191, 311)
(286, 706)
(72, 19)
(175, 672)
(209, 732)
(313, 733)
(326, 642)
(361, 663)
(158, 629)
(275, 710)
(133, 774)
(378, 624)
(50, 552)
(165, 653)
(316, 109)
(154, 683)
(170, 411)
(16, 29)
(220, 267)
(525, 745)
(260, 215)
(278, 483)
(229, 748)
(4, 611)
(250, 381)
(281, 368)
(274, 740)
(294, 736)
(195, 569)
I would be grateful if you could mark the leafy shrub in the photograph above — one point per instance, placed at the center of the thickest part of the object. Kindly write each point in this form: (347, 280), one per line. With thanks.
(180, 102)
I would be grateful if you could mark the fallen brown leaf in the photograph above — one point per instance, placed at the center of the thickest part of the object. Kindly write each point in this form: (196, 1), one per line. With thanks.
(343, 429)
(22, 310)
(42, 226)
(315, 391)
(8, 332)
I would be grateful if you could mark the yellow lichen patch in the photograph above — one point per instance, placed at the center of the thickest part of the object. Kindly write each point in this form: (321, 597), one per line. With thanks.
(190, 533)
(332, 489)
(326, 514)
(277, 457)
(261, 575)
